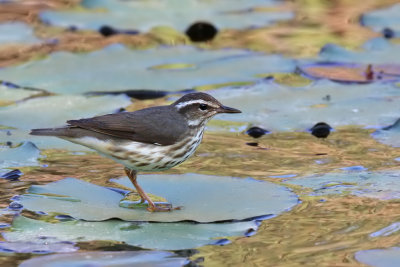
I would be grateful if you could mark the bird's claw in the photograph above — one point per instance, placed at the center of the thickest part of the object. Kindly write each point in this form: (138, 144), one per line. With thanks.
(162, 207)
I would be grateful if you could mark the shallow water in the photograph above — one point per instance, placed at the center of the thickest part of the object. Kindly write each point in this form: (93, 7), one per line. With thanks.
(346, 184)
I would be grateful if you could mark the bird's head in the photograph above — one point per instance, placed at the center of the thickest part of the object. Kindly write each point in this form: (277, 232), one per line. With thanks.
(198, 108)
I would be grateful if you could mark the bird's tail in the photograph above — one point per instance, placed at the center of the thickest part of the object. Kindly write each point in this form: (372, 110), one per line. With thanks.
(49, 131)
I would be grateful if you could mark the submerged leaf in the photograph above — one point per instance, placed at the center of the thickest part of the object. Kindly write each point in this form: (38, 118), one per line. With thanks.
(380, 184)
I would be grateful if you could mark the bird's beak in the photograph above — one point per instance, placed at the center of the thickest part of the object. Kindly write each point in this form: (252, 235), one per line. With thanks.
(225, 109)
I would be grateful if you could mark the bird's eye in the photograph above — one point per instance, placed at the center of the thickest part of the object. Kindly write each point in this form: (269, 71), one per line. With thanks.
(203, 106)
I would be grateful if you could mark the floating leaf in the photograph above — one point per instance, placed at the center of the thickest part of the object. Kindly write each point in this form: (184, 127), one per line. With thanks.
(287, 109)
(54, 111)
(26, 154)
(203, 198)
(10, 95)
(381, 185)
(166, 236)
(357, 73)
(15, 136)
(376, 51)
(389, 135)
(132, 69)
(16, 33)
(108, 258)
(174, 66)
(389, 257)
(41, 246)
(144, 15)
(386, 18)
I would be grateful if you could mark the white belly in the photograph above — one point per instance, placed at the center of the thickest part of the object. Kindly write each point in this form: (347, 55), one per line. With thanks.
(144, 157)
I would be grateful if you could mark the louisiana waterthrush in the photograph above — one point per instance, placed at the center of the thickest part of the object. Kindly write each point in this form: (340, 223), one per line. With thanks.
(150, 139)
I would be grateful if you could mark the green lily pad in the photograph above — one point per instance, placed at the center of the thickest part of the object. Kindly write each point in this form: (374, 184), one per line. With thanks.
(203, 198)
(164, 236)
(140, 69)
(381, 185)
(144, 15)
(388, 257)
(108, 258)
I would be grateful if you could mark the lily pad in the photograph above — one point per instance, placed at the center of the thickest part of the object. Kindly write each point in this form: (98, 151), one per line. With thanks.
(54, 111)
(357, 73)
(382, 184)
(140, 69)
(42, 246)
(375, 51)
(203, 198)
(26, 154)
(287, 108)
(165, 236)
(16, 33)
(16, 136)
(144, 15)
(10, 94)
(389, 135)
(108, 258)
(389, 257)
(384, 18)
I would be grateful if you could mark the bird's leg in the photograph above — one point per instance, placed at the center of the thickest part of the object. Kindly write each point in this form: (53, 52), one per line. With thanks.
(152, 207)
(133, 177)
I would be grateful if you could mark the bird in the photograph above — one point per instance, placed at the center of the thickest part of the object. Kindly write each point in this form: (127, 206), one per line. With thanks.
(147, 140)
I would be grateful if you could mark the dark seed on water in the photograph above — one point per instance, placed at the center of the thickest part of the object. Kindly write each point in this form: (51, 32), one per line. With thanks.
(321, 130)
(106, 31)
(388, 33)
(201, 32)
(256, 132)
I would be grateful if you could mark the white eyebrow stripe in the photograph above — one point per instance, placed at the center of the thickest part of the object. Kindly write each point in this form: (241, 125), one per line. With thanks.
(197, 101)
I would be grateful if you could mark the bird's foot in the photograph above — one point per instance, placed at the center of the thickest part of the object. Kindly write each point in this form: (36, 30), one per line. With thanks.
(162, 207)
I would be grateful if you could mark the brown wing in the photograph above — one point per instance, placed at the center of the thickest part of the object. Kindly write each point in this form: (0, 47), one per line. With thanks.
(160, 125)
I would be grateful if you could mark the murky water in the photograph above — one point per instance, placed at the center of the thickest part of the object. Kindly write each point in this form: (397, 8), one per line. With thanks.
(323, 229)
